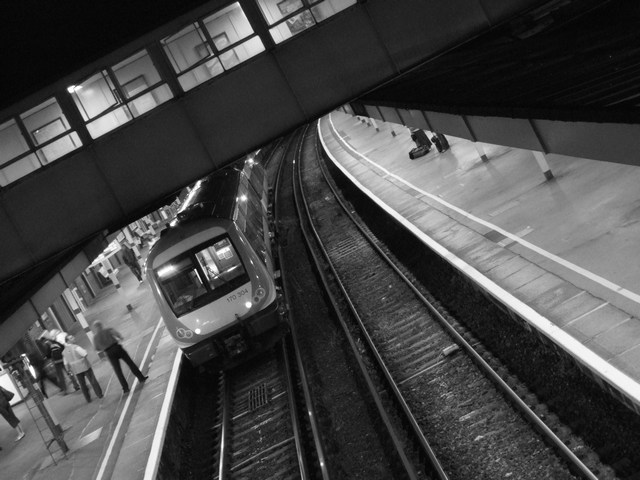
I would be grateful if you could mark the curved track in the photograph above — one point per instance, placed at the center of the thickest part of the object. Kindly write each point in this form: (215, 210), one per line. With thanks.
(445, 384)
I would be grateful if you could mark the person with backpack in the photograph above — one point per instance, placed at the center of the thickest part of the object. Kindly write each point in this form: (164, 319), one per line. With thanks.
(75, 359)
(53, 350)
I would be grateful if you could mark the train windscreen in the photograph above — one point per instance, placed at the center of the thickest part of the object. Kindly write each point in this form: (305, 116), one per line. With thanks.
(201, 275)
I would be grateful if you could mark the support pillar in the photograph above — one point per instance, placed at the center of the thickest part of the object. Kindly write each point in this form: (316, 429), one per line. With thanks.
(114, 278)
(481, 152)
(76, 308)
(541, 158)
(373, 122)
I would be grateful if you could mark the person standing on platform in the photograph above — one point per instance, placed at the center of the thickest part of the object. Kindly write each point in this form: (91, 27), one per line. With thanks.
(129, 258)
(53, 350)
(107, 340)
(38, 365)
(7, 412)
(75, 359)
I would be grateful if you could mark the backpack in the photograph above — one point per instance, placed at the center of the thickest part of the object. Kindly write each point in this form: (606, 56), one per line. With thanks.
(56, 351)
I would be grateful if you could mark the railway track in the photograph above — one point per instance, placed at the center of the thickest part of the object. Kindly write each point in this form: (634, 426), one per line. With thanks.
(246, 422)
(477, 426)
(256, 435)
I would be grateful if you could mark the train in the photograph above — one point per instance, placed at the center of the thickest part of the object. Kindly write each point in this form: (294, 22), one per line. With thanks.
(212, 272)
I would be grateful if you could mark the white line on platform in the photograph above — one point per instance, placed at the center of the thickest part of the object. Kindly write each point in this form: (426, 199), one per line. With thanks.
(586, 273)
(124, 411)
(151, 470)
(587, 357)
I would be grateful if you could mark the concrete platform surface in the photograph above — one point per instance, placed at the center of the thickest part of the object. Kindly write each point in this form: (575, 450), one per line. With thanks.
(110, 437)
(561, 253)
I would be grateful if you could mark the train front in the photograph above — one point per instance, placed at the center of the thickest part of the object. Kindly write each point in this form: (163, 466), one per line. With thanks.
(216, 297)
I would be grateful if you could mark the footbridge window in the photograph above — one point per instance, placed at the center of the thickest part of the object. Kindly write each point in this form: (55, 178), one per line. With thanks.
(290, 17)
(112, 97)
(33, 139)
(211, 45)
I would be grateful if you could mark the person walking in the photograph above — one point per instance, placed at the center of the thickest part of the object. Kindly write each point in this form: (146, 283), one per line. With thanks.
(75, 359)
(107, 340)
(7, 412)
(129, 258)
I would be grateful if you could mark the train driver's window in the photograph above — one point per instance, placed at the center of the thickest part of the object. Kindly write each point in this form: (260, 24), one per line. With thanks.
(181, 284)
(222, 264)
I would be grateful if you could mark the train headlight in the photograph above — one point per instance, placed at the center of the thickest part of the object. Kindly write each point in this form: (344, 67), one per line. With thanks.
(184, 333)
(197, 330)
(259, 294)
(248, 304)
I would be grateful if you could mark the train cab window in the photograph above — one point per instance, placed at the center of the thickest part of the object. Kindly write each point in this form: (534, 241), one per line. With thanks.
(290, 17)
(222, 265)
(201, 276)
(181, 284)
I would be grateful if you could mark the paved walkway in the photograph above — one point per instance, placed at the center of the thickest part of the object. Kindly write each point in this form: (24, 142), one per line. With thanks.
(562, 253)
(109, 437)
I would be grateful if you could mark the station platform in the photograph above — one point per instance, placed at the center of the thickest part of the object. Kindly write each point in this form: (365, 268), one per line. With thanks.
(560, 253)
(111, 437)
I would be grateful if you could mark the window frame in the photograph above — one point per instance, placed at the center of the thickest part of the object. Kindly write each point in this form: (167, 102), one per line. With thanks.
(34, 148)
(209, 42)
(122, 100)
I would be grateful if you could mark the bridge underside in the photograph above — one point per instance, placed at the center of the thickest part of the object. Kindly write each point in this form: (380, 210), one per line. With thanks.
(475, 67)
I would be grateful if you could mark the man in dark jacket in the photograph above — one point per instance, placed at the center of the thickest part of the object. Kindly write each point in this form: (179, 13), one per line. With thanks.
(107, 340)
(129, 258)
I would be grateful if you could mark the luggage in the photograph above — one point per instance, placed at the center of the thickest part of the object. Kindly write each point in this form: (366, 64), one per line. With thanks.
(440, 141)
(419, 152)
(436, 142)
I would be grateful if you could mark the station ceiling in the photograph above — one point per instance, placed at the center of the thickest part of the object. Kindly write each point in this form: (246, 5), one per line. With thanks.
(567, 60)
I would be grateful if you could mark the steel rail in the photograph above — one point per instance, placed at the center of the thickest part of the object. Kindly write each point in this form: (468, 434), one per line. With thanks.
(302, 206)
(311, 413)
(512, 396)
(225, 426)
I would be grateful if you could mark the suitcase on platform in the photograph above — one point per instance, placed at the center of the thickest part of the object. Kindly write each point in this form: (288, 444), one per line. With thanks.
(437, 143)
(419, 152)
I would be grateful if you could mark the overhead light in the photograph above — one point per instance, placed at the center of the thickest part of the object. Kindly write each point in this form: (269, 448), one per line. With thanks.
(74, 88)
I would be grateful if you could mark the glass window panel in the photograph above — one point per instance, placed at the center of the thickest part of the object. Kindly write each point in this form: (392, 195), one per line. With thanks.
(200, 74)
(94, 95)
(44, 122)
(60, 147)
(222, 265)
(108, 122)
(150, 100)
(18, 169)
(186, 48)
(12, 143)
(242, 52)
(292, 26)
(136, 74)
(275, 10)
(228, 26)
(330, 7)
(181, 284)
